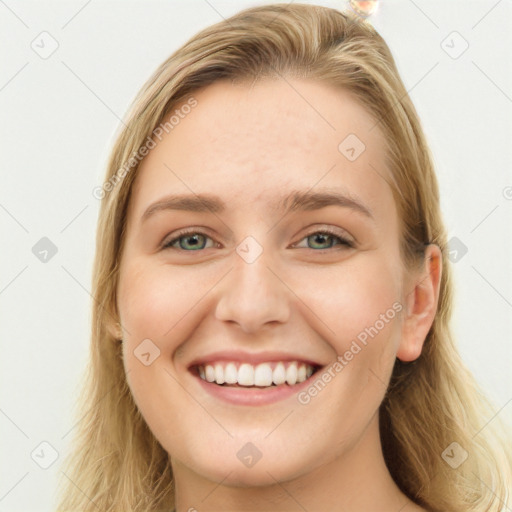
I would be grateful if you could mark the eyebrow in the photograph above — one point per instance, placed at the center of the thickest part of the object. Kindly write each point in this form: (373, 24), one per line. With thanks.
(295, 200)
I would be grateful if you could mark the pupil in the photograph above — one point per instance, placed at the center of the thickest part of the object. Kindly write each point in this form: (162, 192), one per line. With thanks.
(192, 241)
(320, 238)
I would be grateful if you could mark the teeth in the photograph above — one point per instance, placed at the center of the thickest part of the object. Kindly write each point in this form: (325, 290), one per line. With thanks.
(279, 374)
(209, 373)
(245, 375)
(262, 375)
(301, 373)
(291, 374)
(230, 374)
(219, 374)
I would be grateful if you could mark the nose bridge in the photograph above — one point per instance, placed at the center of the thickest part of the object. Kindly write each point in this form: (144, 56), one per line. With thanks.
(252, 296)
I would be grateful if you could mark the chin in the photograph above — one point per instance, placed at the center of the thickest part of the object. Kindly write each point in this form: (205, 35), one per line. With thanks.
(260, 475)
(246, 466)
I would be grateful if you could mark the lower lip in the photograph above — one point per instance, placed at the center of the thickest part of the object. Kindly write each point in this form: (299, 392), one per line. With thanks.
(253, 395)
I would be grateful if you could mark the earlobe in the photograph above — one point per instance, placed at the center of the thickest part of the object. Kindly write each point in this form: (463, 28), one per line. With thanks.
(421, 305)
(115, 330)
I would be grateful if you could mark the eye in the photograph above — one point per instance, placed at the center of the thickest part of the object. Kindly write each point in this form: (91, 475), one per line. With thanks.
(188, 241)
(325, 239)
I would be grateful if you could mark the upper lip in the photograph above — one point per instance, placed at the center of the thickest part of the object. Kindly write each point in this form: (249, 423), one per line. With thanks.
(252, 358)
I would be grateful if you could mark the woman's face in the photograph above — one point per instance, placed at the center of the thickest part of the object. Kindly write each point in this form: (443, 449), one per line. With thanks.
(256, 293)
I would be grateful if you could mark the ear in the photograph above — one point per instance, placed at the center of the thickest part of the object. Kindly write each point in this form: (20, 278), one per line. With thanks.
(421, 300)
(114, 329)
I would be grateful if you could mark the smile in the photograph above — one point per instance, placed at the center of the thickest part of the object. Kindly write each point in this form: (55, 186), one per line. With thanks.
(234, 373)
(253, 379)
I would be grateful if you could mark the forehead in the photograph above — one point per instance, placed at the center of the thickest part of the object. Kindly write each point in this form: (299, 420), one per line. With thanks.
(249, 143)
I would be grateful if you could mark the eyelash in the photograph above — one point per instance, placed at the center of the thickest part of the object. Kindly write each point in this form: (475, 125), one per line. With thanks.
(325, 231)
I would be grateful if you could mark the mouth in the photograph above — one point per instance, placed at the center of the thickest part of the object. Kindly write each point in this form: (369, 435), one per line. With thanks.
(269, 374)
(249, 379)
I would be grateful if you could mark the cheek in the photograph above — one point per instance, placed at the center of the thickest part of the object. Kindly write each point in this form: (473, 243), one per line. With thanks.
(159, 308)
(353, 298)
(154, 299)
(359, 303)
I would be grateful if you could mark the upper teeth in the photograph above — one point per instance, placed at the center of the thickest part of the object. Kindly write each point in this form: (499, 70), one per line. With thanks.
(263, 374)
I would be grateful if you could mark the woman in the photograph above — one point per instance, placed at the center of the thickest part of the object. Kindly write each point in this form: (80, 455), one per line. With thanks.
(272, 290)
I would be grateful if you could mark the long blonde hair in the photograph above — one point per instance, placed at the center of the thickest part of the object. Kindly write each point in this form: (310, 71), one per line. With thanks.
(117, 464)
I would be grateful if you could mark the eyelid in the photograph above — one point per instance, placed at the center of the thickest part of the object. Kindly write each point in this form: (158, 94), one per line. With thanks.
(339, 233)
(167, 242)
(336, 232)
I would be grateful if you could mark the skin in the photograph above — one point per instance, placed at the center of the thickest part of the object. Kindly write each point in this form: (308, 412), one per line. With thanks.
(250, 144)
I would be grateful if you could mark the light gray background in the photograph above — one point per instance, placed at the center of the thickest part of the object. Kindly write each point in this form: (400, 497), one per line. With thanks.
(58, 120)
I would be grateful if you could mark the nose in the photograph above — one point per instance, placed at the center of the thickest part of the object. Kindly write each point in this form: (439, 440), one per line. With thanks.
(253, 295)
